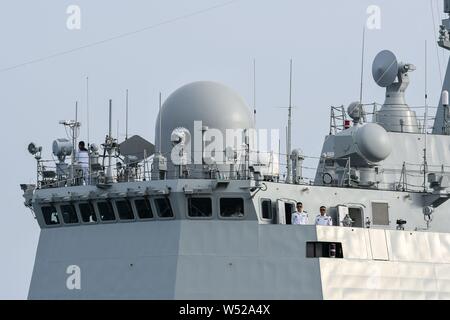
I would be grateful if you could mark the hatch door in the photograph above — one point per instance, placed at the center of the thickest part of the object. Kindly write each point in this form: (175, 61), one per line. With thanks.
(281, 212)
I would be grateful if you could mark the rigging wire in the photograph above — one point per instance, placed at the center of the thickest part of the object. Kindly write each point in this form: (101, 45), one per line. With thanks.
(120, 36)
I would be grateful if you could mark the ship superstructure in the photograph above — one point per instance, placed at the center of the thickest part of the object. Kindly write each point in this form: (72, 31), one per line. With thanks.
(204, 213)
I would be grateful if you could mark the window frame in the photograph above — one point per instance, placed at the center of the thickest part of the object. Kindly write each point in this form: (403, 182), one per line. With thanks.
(271, 209)
(60, 205)
(97, 209)
(56, 225)
(138, 218)
(312, 246)
(232, 218)
(200, 218)
(81, 215)
(157, 211)
(363, 215)
(116, 209)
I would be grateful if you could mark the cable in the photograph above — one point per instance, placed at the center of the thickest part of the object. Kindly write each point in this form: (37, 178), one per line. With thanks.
(123, 35)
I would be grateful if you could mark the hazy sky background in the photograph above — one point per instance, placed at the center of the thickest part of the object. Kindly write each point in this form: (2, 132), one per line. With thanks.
(323, 38)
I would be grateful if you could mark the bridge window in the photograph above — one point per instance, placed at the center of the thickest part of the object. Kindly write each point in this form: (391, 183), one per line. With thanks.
(87, 212)
(143, 208)
(69, 214)
(164, 208)
(324, 250)
(124, 209)
(50, 215)
(266, 209)
(106, 211)
(232, 207)
(200, 207)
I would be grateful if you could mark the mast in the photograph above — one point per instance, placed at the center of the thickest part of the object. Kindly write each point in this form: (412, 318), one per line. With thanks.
(74, 133)
(254, 91)
(126, 118)
(425, 125)
(361, 92)
(362, 65)
(73, 125)
(87, 112)
(109, 146)
(289, 129)
(160, 122)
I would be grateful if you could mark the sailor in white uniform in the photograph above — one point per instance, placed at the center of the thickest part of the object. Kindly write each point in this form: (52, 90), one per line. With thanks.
(299, 216)
(82, 158)
(322, 219)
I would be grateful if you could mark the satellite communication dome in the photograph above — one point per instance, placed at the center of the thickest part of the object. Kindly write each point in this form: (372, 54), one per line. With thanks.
(355, 110)
(214, 104)
(373, 142)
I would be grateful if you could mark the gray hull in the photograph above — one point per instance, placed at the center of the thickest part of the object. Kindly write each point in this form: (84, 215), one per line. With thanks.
(177, 260)
(239, 260)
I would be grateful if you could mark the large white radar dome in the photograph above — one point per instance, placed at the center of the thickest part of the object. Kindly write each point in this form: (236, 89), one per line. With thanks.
(214, 104)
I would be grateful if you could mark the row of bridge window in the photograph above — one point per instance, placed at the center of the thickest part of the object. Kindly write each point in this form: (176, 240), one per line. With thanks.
(127, 210)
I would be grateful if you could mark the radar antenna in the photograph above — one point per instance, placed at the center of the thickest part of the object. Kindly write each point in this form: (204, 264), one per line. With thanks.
(74, 127)
(395, 115)
(385, 68)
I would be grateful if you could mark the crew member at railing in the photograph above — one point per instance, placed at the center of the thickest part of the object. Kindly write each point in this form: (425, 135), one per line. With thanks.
(322, 219)
(299, 216)
(82, 159)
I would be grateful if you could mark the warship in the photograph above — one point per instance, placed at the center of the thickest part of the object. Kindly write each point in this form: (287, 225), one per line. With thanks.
(204, 213)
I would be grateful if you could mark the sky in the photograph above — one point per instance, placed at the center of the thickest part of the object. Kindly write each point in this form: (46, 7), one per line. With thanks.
(44, 66)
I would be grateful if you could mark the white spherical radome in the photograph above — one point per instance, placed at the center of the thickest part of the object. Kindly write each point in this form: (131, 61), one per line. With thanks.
(214, 104)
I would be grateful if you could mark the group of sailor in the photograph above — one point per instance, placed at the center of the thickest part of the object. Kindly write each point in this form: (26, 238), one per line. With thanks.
(302, 217)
